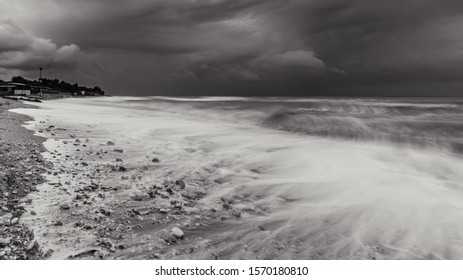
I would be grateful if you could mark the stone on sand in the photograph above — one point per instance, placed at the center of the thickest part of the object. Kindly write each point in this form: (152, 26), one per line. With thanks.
(58, 224)
(235, 212)
(65, 206)
(180, 183)
(5, 242)
(14, 221)
(177, 233)
(122, 169)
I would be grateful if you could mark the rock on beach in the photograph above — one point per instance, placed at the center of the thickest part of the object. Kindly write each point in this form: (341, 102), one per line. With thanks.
(177, 233)
(5, 242)
(65, 206)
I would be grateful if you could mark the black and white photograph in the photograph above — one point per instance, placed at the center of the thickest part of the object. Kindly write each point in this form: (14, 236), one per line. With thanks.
(231, 130)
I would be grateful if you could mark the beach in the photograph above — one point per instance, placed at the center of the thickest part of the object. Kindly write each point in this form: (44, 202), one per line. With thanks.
(102, 200)
(21, 166)
(244, 178)
(109, 197)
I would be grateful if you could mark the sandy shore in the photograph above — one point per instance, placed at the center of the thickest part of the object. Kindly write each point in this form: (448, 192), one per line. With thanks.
(134, 178)
(102, 200)
(148, 184)
(21, 168)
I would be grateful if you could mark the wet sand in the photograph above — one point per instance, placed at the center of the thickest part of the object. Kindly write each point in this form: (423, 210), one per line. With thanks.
(101, 202)
(139, 178)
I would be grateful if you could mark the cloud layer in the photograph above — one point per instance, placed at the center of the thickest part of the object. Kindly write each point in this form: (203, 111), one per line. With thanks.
(247, 47)
(21, 51)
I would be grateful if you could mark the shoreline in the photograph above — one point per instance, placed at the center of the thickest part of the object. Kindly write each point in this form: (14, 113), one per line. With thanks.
(152, 186)
(22, 168)
(101, 200)
(132, 181)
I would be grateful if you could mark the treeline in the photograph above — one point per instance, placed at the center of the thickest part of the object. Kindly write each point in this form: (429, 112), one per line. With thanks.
(57, 85)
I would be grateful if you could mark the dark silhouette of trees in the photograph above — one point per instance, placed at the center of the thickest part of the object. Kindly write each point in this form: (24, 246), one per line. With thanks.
(19, 79)
(58, 85)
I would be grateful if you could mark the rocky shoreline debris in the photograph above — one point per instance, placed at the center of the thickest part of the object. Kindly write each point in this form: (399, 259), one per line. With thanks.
(122, 210)
(22, 166)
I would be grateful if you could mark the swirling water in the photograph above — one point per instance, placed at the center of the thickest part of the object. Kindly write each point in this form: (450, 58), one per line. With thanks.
(341, 178)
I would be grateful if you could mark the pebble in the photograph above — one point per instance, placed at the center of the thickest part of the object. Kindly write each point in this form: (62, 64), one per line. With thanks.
(33, 213)
(14, 221)
(280, 246)
(235, 212)
(5, 242)
(105, 212)
(48, 254)
(8, 216)
(137, 197)
(122, 169)
(65, 206)
(30, 246)
(110, 143)
(180, 183)
(152, 193)
(156, 256)
(155, 160)
(177, 233)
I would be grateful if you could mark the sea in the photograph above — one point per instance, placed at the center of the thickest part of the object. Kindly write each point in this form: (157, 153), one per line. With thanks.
(335, 178)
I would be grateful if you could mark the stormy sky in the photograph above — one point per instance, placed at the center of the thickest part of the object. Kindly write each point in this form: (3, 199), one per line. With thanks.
(238, 47)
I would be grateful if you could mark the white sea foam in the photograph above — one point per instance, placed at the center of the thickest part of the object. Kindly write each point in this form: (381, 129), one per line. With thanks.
(337, 198)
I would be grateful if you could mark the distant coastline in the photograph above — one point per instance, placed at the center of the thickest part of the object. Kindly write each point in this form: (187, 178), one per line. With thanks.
(43, 89)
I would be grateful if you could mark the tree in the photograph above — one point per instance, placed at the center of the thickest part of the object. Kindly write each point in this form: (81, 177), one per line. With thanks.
(56, 84)
(19, 79)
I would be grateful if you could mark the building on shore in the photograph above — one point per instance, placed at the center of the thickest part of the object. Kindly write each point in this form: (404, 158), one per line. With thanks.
(44, 92)
(89, 93)
(6, 90)
(40, 92)
(15, 89)
(48, 93)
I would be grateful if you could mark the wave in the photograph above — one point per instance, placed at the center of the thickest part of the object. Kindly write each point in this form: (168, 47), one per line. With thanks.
(419, 123)
(322, 178)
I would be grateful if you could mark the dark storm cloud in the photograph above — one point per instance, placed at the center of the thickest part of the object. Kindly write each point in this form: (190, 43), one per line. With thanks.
(252, 46)
(389, 40)
(158, 27)
(19, 50)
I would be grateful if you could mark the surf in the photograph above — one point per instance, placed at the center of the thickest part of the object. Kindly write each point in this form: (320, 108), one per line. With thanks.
(312, 182)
